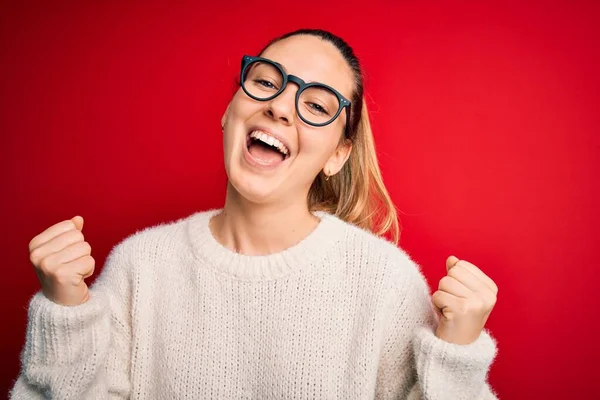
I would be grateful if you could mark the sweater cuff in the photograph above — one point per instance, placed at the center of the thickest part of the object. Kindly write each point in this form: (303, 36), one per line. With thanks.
(474, 356)
(58, 334)
(453, 371)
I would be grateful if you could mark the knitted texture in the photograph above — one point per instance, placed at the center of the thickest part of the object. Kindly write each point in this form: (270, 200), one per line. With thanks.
(175, 315)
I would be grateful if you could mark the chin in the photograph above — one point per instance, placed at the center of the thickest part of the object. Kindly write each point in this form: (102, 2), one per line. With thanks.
(255, 189)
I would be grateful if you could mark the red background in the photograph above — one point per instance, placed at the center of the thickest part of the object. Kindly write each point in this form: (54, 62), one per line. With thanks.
(485, 116)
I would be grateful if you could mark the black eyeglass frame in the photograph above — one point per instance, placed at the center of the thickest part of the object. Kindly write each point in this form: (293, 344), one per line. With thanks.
(343, 102)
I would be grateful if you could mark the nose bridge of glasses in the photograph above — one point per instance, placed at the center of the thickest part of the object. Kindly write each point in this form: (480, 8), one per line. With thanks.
(299, 82)
(293, 92)
(290, 91)
(284, 103)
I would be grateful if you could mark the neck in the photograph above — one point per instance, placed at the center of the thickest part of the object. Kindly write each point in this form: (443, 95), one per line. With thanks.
(258, 229)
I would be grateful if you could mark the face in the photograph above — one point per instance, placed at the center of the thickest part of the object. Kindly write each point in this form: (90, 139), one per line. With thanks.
(271, 155)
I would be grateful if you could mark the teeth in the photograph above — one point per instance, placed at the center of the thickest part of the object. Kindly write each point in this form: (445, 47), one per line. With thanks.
(270, 140)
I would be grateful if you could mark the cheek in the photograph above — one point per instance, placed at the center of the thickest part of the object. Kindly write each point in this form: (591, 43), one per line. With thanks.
(318, 144)
(241, 107)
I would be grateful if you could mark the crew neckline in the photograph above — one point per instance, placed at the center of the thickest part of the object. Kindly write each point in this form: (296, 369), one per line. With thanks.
(300, 256)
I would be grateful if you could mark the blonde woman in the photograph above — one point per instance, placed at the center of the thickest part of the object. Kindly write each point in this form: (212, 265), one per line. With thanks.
(287, 292)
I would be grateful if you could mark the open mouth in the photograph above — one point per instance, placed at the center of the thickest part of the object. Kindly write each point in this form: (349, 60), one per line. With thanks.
(265, 148)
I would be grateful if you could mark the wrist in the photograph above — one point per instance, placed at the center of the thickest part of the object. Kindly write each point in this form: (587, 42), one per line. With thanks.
(455, 336)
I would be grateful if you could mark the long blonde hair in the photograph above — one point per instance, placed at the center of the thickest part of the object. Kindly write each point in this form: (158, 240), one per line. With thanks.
(356, 194)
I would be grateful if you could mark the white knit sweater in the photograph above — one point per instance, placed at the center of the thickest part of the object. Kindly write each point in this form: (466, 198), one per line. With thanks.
(175, 315)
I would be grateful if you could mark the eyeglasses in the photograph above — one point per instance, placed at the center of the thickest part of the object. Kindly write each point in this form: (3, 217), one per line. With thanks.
(317, 104)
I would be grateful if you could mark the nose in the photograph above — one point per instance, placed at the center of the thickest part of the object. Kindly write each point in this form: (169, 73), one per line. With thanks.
(283, 107)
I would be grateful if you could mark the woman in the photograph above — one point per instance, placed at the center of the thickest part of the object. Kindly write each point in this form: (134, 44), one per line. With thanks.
(285, 293)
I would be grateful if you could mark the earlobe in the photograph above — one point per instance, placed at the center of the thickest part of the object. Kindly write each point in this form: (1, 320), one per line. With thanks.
(338, 159)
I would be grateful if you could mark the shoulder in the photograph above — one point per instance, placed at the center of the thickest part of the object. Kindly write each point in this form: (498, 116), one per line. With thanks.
(393, 274)
(158, 242)
(380, 254)
(148, 251)
(151, 236)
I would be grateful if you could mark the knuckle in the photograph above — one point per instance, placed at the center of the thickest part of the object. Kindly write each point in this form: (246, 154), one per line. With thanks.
(448, 280)
(87, 247)
(87, 260)
(454, 271)
(35, 256)
(32, 244)
(77, 235)
(90, 264)
(46, 265)
(70, 224)
(443, 282)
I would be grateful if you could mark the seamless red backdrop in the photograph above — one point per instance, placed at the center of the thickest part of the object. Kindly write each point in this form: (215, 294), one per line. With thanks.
(485, 116)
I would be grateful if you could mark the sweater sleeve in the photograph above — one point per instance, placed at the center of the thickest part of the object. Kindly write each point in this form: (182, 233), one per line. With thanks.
(80, 352)
(415, 364)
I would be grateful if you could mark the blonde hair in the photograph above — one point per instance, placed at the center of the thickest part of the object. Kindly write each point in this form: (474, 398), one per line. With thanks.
(357, 193)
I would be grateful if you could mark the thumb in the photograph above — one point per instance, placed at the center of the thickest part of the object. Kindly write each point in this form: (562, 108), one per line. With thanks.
(78, 221)
(451, 262)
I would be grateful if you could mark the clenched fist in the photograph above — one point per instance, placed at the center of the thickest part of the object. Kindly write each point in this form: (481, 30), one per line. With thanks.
(62, 260)
(465, 299)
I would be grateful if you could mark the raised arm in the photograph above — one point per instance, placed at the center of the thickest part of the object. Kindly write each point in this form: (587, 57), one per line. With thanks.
(445, 357)
(78, 340)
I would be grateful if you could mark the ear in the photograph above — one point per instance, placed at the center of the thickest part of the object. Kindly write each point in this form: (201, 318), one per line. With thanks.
(224, 117)
(338, 158)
